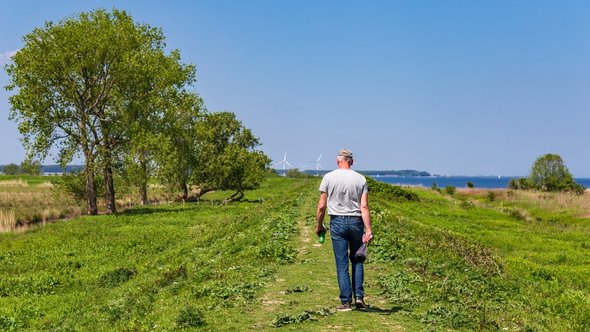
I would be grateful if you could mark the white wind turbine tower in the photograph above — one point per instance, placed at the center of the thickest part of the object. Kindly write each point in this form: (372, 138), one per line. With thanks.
(285, 163)
(318, 166)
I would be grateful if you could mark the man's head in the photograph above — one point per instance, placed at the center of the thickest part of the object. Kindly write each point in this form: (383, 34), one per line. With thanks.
(345, 156)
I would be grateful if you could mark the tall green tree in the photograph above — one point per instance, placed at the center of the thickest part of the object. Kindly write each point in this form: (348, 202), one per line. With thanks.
(177, 151)
(82, 82)
(549, 173)
(227, 155)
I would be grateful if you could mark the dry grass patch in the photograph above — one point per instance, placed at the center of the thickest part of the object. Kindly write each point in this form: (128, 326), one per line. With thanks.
(549, 201)
(552, 201)
(18, 183)
(46, 184)
(7, 220)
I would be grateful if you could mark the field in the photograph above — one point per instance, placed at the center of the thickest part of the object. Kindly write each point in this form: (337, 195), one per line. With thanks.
(462, 262)
(26, 200)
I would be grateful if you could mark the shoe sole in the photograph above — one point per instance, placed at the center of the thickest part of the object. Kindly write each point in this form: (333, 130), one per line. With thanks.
(344, 310)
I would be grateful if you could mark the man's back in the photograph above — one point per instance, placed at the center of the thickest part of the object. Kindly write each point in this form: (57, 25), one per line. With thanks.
(344, 188)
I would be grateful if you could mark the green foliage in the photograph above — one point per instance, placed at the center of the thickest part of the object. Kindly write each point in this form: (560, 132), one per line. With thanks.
(549, 173)
(12, 169)
(116, 277)
(286, 319)
(190, 317)
(85, 83)
(298, 289)
(491, 196)
(389, 191)
(470, 185)
(281, 227)
(435, 187)
(450, 190)
(519, 184)
(177, 156)
(31, 167)
(74, 185)
(294, 173)
(228, 159)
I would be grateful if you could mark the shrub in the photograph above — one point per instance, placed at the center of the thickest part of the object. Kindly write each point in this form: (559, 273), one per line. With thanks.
(450, 190)
(549, 173)
(389, 191)
(519, 183)
(470, 184)
(116, 277)
(190, 317)
(491, 196)
(296, 174)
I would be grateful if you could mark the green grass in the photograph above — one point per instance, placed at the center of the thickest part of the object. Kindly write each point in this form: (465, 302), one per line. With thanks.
(438, 263)
(32, 180)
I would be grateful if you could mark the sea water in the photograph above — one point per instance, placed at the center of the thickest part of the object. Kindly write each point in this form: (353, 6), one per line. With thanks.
(484, 182)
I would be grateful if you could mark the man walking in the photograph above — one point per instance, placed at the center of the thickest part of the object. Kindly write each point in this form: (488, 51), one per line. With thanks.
(345, 193)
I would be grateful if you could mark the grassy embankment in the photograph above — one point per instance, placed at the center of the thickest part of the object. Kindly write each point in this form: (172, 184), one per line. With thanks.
(438, 263)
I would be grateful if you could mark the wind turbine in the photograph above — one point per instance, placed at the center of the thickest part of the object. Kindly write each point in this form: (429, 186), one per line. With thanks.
(285, 163)
(318, 166)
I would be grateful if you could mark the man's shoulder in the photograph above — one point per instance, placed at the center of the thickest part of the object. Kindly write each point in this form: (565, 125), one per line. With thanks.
(344, 173)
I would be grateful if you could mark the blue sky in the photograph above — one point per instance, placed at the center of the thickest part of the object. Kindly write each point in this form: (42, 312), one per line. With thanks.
(450, 87)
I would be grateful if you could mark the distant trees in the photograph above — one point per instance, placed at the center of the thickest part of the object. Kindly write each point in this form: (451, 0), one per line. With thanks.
(31, 167)
(101, 85)
(12, 169)
(548, 173)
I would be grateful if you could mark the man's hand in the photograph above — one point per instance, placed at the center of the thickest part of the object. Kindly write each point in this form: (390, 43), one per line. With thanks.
(367, 237)
(319, 229)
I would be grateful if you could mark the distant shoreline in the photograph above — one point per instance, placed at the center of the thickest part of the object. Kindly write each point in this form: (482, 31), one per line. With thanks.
(479, 182)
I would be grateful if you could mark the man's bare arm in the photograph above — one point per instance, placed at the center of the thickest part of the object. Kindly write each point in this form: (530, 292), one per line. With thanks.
(368, 236)
(321, 212)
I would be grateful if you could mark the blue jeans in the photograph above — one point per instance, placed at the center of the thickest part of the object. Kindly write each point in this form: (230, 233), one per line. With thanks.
(347, 237)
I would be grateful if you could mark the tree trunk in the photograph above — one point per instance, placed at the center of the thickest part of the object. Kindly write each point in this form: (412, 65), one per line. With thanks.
(143, 193)
(90, 190)
(238, 195)
(143, 197)
(184, 191)
(109, 189)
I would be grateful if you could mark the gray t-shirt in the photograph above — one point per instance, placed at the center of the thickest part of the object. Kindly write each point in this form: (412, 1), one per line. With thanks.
(345, 188)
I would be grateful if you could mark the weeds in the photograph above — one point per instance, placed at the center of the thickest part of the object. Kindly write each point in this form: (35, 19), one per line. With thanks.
(307, 315)
(7, 220)
(298, 289)
(190, 317)
(116, 277)
(172, 276)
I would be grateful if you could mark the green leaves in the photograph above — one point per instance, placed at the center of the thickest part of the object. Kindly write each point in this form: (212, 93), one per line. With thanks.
(550, 173)
(96, 83)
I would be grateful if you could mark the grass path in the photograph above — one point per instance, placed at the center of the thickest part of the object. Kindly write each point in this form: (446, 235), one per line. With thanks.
(310, 284)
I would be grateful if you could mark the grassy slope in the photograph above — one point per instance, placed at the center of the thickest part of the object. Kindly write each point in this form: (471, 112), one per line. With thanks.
(436, 264)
